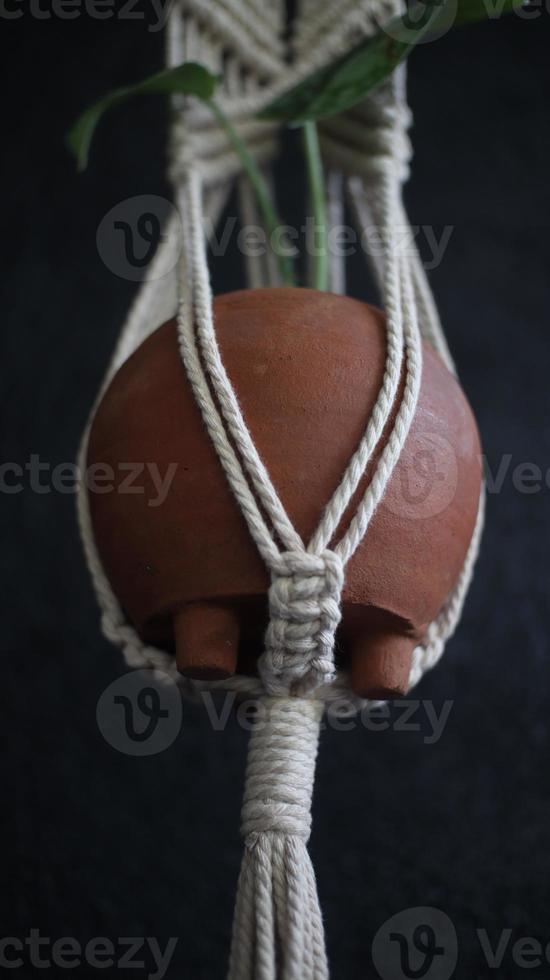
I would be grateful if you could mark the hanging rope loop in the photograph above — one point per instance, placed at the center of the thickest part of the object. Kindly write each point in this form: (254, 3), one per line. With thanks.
(304, 613)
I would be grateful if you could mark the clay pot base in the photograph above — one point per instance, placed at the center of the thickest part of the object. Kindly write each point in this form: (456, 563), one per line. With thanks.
(307, 368)
(212, 641)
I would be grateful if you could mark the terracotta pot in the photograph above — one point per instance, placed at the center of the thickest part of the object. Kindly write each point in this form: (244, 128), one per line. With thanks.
(307, 368)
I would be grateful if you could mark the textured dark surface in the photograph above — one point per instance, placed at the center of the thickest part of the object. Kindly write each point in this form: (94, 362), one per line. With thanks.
(101, 844)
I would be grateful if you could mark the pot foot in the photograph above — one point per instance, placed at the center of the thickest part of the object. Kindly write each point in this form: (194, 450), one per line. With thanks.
(381, 666)
(207, 639)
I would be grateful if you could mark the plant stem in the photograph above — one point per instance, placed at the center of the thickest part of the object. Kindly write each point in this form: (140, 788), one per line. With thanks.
(263, 195)
(316, 179)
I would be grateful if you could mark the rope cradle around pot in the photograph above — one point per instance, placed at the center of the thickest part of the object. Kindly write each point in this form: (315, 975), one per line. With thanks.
(277, 929)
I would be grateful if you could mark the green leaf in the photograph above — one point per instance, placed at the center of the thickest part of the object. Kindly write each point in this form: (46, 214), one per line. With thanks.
(318, 199)
(187, 79)
(343, 84)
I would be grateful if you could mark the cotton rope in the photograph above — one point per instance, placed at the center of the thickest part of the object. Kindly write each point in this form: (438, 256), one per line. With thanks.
(277, 930)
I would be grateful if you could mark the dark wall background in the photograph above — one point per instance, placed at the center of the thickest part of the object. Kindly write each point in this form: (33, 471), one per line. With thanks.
(97, 843)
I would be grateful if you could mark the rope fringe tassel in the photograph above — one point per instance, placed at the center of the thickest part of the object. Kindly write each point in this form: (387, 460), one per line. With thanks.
(277, 928)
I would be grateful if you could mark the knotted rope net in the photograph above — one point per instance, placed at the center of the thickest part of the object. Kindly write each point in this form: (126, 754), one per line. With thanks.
(277, 928)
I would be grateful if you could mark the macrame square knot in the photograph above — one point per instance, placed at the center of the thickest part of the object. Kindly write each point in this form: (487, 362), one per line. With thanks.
(304, 612)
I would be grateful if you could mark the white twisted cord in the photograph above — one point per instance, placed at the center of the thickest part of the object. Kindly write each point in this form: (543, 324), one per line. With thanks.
(427, 655)
(340, 500)
(246, 473)
(243, 466)
(392, 450)
(277, 927)
(202, 359)
(324, 30)
(242, 27)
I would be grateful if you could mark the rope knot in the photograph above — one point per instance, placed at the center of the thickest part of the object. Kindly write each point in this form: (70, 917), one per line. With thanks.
(280, 769)
(304, 610)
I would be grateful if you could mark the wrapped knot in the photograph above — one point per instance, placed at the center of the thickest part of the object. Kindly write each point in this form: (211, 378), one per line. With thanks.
(304, 610)
(281, 768)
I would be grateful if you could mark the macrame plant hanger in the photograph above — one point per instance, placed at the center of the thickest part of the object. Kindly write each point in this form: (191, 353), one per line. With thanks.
(278, 930)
